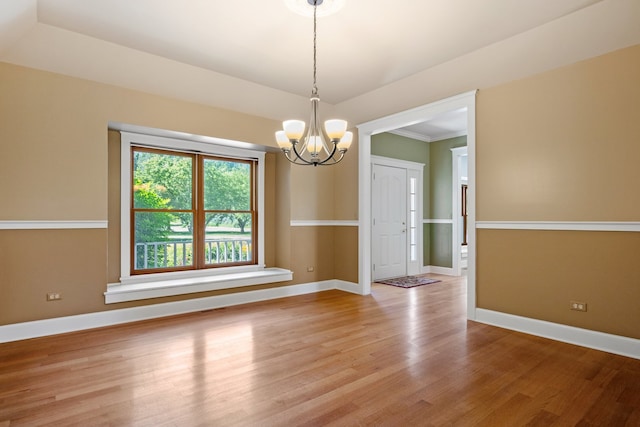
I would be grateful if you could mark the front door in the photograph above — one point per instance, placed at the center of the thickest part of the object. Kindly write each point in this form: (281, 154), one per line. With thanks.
(389, 216)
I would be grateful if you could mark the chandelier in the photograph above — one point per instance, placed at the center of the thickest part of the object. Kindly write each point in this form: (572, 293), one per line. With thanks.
(312, 145)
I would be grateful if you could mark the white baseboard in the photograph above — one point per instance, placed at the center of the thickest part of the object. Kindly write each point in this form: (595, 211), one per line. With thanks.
(60, 325)
(616, 344)
(351, 287)
(437, 270)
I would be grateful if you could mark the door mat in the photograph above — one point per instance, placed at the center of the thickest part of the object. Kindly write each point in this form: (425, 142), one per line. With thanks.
(408, 281)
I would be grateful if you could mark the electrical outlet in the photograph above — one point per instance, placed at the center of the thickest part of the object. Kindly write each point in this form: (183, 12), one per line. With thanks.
(54, 296)
(578, 306)
(310, 269)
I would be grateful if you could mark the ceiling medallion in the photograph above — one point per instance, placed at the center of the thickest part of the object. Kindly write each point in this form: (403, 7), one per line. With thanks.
(305, 7)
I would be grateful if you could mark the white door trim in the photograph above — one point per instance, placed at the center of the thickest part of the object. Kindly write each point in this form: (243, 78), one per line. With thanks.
(456, 154)
(396, 163)
(416, 115)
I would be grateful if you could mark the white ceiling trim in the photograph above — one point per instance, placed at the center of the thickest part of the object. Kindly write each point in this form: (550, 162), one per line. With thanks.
(450, 135)
(412, 135)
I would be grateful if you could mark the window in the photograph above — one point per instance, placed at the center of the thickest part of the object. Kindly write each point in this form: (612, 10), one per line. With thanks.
(190, 211)
(179, 217)
(413, 219)
(191, 215)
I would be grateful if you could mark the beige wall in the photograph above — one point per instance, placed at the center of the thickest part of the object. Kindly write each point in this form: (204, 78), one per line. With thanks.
(55, 165)
(536, 273)
(34, 262)
(562, 146)
(50, 122)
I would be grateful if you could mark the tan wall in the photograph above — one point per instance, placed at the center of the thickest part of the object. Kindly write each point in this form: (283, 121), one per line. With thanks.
(313, 190)
(283, 218)
(327, 192)
(55, 165)
(562, 146)
(35, 262)
(50, 122)
(345, 253)
(345, 185)
(113, 198)
(270, 206)
(536, 273)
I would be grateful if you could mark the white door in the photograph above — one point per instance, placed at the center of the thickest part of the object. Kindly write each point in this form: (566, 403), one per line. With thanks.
(389, 216)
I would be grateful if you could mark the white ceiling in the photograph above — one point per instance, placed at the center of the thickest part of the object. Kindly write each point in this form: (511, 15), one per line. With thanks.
(374, 57)
(441, 126)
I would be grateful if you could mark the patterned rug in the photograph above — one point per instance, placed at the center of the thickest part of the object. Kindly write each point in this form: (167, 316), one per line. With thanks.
(408, 281)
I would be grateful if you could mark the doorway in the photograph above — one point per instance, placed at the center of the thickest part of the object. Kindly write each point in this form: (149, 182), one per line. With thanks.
(389, 226)
(396, 189)
(465, 101)
(460, 210)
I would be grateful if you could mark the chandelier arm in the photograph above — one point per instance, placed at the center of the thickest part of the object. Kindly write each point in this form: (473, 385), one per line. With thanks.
(299, 157)
(297, 160)
(330, 155)
(324, 163)
(287, 156)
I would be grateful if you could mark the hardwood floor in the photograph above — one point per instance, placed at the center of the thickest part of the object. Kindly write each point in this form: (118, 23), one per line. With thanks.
(401, 357)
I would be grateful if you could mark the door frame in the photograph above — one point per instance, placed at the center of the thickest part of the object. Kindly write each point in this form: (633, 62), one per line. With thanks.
(456, 206)
(416, 115)
(414, 170)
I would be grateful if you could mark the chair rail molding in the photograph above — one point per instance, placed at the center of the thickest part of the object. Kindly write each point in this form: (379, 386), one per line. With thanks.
(560, 225)
(51, 224)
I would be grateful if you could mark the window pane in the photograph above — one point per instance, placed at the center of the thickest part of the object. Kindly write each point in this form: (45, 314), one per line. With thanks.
(162, 241)
(161, 181)
(228, 238)
(227, 185)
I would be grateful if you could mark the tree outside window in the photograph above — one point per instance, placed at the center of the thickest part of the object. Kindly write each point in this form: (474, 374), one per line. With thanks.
(191, 211)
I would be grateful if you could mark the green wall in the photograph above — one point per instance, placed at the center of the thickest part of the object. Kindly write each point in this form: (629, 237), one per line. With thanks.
(440, 179)
(437, 187)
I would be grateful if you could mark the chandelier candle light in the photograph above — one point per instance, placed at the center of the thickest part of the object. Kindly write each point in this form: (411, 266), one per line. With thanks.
(309, 146)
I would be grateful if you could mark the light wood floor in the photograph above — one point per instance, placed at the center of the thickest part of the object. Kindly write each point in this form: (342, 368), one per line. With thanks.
(401, 357)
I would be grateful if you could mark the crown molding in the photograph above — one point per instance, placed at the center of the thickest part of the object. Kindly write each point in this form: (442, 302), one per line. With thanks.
(410, 134)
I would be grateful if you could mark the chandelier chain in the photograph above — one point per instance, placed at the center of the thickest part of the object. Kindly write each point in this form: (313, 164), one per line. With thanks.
(315, 87)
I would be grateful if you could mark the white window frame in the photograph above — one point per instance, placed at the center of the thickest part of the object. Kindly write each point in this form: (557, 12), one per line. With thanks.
(143, 286)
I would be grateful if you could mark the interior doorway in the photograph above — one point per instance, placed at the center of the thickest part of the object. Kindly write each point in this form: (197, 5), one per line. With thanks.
(464, 101)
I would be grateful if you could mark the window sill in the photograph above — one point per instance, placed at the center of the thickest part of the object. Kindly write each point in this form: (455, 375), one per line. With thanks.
(119, 292)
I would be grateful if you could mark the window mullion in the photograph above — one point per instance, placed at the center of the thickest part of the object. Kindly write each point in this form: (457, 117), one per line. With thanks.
(198, 205)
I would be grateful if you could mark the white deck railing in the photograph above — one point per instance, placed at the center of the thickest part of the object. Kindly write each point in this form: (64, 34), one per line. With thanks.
(178, 253)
